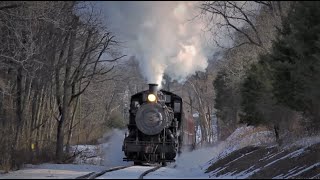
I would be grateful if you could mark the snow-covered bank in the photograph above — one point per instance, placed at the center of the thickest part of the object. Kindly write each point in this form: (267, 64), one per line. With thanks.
(89, 158)
(248, 152)
(52, 171)
(109, 153)
(193, 164)
(88, 154)
(242, 137)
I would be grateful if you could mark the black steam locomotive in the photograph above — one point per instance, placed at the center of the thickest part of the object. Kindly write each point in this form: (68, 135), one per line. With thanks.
(154, 127)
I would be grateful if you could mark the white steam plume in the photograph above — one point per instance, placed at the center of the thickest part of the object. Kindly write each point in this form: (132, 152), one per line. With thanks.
(112, 148)
(170, 43)
(162, 36)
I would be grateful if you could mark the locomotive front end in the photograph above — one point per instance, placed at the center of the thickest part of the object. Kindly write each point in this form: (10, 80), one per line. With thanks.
(153, 126)
(153, 116)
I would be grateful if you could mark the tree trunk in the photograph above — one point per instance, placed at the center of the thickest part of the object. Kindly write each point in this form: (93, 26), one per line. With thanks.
(66, 94)
(218, 128)
(18, 116)
(1, 105)
(71, 126)
(276, 132)
(210, 138)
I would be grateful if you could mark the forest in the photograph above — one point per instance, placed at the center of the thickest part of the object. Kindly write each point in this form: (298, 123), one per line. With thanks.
(65, 80)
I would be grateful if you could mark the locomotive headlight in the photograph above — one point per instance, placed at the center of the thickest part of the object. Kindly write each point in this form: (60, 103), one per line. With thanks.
(152, 98)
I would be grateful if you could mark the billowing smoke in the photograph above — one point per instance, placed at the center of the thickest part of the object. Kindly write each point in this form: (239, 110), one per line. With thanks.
(161, 36)
(169, 43)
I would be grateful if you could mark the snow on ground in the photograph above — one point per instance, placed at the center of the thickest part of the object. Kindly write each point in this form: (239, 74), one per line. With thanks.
(241, 137)
(127, 173)
(88, 154)
(52, 171)
(93, 158)
(292, 173)
(113, 154)
(193, 164)
(188, 165)
(290, 155)
(302, 169)
(231, 175)
(176, 173)
(109, 153)
(304, 142)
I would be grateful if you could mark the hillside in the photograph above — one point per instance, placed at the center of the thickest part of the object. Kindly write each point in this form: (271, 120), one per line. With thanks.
(255, 162)
(247, 153)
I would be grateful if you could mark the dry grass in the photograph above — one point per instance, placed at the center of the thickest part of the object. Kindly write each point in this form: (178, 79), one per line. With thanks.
(5, 165)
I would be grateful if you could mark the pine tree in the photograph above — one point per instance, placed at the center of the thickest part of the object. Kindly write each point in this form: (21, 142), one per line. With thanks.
(289, 76)
(296, 63)
(252, 91)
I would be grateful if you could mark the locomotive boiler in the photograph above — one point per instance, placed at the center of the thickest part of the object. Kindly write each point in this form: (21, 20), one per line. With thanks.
(154, 127)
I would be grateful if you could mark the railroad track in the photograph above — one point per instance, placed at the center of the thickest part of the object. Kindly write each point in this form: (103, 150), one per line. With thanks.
(94, 175)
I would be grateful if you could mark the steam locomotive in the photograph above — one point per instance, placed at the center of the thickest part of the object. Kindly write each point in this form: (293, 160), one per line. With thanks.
(154, 129)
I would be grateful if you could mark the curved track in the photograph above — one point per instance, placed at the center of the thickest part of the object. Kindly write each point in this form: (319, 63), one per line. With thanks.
(134, 168)
(149, 171)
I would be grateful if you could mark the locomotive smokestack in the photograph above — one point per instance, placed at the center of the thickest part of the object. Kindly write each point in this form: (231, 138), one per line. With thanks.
(153, 88)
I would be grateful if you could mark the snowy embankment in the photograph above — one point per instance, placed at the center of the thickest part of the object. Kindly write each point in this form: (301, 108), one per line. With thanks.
(89, 158)
(295, 160)
(109, 154)
(194, 164)
(247, 153)
(52, 171)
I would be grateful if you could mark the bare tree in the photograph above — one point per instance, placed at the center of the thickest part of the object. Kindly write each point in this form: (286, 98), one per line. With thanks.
(225, 18)
(49, 56)
(82, 71)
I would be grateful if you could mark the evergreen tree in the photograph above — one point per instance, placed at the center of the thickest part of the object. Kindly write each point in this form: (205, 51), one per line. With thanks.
(253, 89)
(220, 88)
(290, 74)
(226, 104)
(295, 59)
